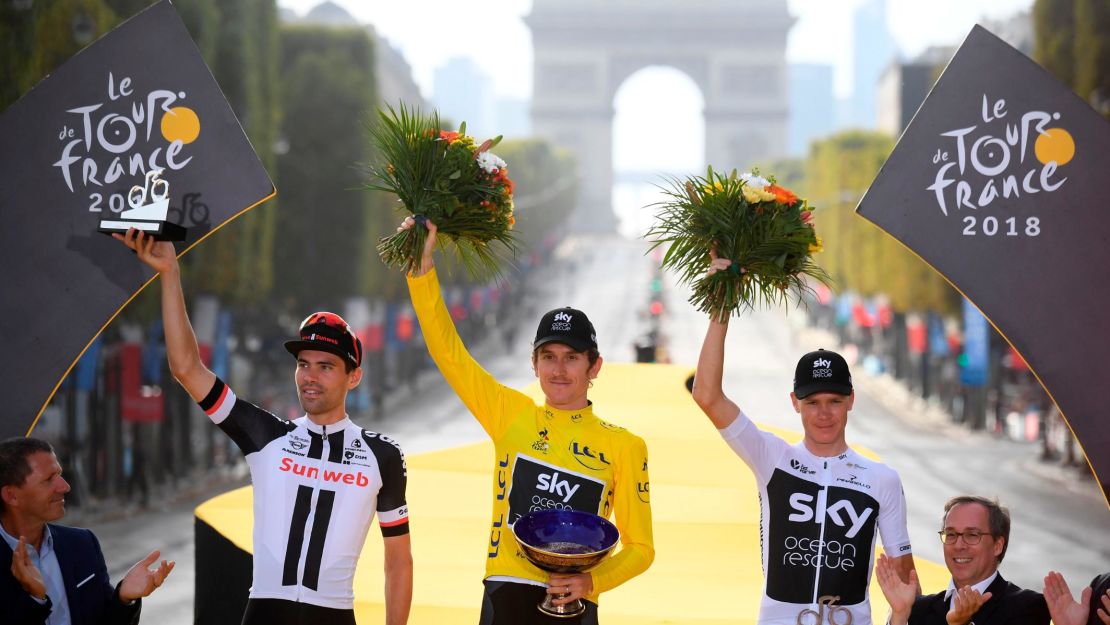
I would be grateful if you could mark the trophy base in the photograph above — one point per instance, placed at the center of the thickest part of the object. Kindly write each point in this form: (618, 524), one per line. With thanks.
(160, 230)
(567, 610)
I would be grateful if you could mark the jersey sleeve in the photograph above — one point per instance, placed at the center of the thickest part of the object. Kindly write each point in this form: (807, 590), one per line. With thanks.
(393, 511)
(632, 509)
(760, 450)
(892, 516)
(486, 398)
(249, 427)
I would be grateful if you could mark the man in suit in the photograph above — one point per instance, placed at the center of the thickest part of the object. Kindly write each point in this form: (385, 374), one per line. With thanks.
(52, 574)
(975, 533)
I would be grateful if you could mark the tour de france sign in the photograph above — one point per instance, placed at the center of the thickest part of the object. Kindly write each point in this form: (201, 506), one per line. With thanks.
(137, 106)
(1000, 184)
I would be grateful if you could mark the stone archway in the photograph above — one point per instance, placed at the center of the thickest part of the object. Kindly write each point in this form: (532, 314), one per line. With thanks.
(734, 50)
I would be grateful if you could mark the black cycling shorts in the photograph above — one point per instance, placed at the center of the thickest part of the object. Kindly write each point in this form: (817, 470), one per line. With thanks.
(285, 612)
(508, 603)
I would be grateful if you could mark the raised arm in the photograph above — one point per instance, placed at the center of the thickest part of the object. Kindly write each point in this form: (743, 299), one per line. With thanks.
(181, 343)
(708, 391)
(398, 579)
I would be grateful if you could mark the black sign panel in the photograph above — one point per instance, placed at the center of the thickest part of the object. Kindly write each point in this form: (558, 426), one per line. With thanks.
(539, 486)
(821, 535)
(137, 100)
(1000, 183)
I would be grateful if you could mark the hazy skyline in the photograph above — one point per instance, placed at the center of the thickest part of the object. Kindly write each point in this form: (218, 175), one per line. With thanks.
(493, 34)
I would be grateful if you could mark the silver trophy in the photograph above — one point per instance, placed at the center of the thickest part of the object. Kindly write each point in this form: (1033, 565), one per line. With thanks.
(150, 205)
(564, 541)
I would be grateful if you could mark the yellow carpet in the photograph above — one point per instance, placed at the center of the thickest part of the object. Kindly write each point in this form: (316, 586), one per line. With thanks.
(704, 501)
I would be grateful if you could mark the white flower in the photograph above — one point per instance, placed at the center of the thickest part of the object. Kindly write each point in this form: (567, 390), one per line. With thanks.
(752, 180)
(490, 162)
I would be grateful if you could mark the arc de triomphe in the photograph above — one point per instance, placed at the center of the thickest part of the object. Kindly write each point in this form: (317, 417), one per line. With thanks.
(734, 50)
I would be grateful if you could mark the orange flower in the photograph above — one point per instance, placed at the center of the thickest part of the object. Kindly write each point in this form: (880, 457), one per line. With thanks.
(448, 135)
(783, 196)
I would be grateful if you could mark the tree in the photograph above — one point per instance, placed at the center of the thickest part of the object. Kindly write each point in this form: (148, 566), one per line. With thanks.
(1054, 37)
(1092, 53)
(35, 38)
(239, 39)
(545, 188)
(325, 232)
(858, 255)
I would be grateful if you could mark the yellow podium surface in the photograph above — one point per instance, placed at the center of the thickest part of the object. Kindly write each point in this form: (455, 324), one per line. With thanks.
(705, 506)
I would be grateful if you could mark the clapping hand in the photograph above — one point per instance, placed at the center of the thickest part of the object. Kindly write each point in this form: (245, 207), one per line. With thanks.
(140, 581)
(899, 594)
(24, 571)
(967, 603)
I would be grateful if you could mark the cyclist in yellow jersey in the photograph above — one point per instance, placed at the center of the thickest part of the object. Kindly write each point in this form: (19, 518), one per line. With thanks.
(555, 455)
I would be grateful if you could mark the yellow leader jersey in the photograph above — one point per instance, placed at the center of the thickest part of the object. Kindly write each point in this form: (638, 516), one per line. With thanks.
(544, 457)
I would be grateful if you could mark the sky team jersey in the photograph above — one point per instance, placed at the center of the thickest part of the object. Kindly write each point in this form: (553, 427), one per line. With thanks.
(817, 524)
(544, 457)
(316, 489)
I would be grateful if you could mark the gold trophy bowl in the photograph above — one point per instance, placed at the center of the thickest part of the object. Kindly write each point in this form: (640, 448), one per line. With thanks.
(564, 541)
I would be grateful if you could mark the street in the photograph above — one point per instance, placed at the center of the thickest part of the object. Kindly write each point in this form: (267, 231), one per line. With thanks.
(1059, 521)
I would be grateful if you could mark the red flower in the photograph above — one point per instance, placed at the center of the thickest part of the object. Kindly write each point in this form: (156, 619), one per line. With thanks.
(807, 217)
(783, 196)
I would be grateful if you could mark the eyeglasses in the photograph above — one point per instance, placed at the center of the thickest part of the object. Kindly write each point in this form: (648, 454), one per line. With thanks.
(971, 537)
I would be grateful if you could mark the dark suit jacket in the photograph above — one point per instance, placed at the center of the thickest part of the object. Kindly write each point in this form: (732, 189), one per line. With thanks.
(1099, 586)
(79, 556)
(1008, 605)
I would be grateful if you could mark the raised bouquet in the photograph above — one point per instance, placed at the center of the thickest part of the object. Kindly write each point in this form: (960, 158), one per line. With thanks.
(765, 230)
(444, 176)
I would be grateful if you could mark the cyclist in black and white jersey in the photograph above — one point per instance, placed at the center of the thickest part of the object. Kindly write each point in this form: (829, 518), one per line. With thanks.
(318, 480)
(821, 502)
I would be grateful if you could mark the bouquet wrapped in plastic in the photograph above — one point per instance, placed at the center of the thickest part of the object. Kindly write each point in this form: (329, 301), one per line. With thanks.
(765, 230)
(444, 176)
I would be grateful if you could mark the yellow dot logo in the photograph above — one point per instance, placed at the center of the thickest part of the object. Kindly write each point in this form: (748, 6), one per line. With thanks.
(181, 124)
(1056, 144)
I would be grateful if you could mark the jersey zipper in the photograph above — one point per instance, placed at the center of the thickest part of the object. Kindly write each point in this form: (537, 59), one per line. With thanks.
(822, 506)
(324, 453)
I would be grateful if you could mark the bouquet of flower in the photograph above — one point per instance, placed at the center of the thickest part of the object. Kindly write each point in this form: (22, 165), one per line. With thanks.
(444, 176)
(765, 230)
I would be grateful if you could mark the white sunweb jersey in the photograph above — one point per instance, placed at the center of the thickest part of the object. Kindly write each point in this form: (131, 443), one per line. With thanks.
(818, 518)
(316, 490)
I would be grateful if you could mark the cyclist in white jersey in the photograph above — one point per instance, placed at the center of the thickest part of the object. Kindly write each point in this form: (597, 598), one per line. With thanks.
(318, 480)
(821, 502)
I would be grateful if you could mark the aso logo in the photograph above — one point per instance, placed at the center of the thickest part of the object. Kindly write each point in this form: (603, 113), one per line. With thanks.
(1004, 154)
(842, 513)
(128, 131)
